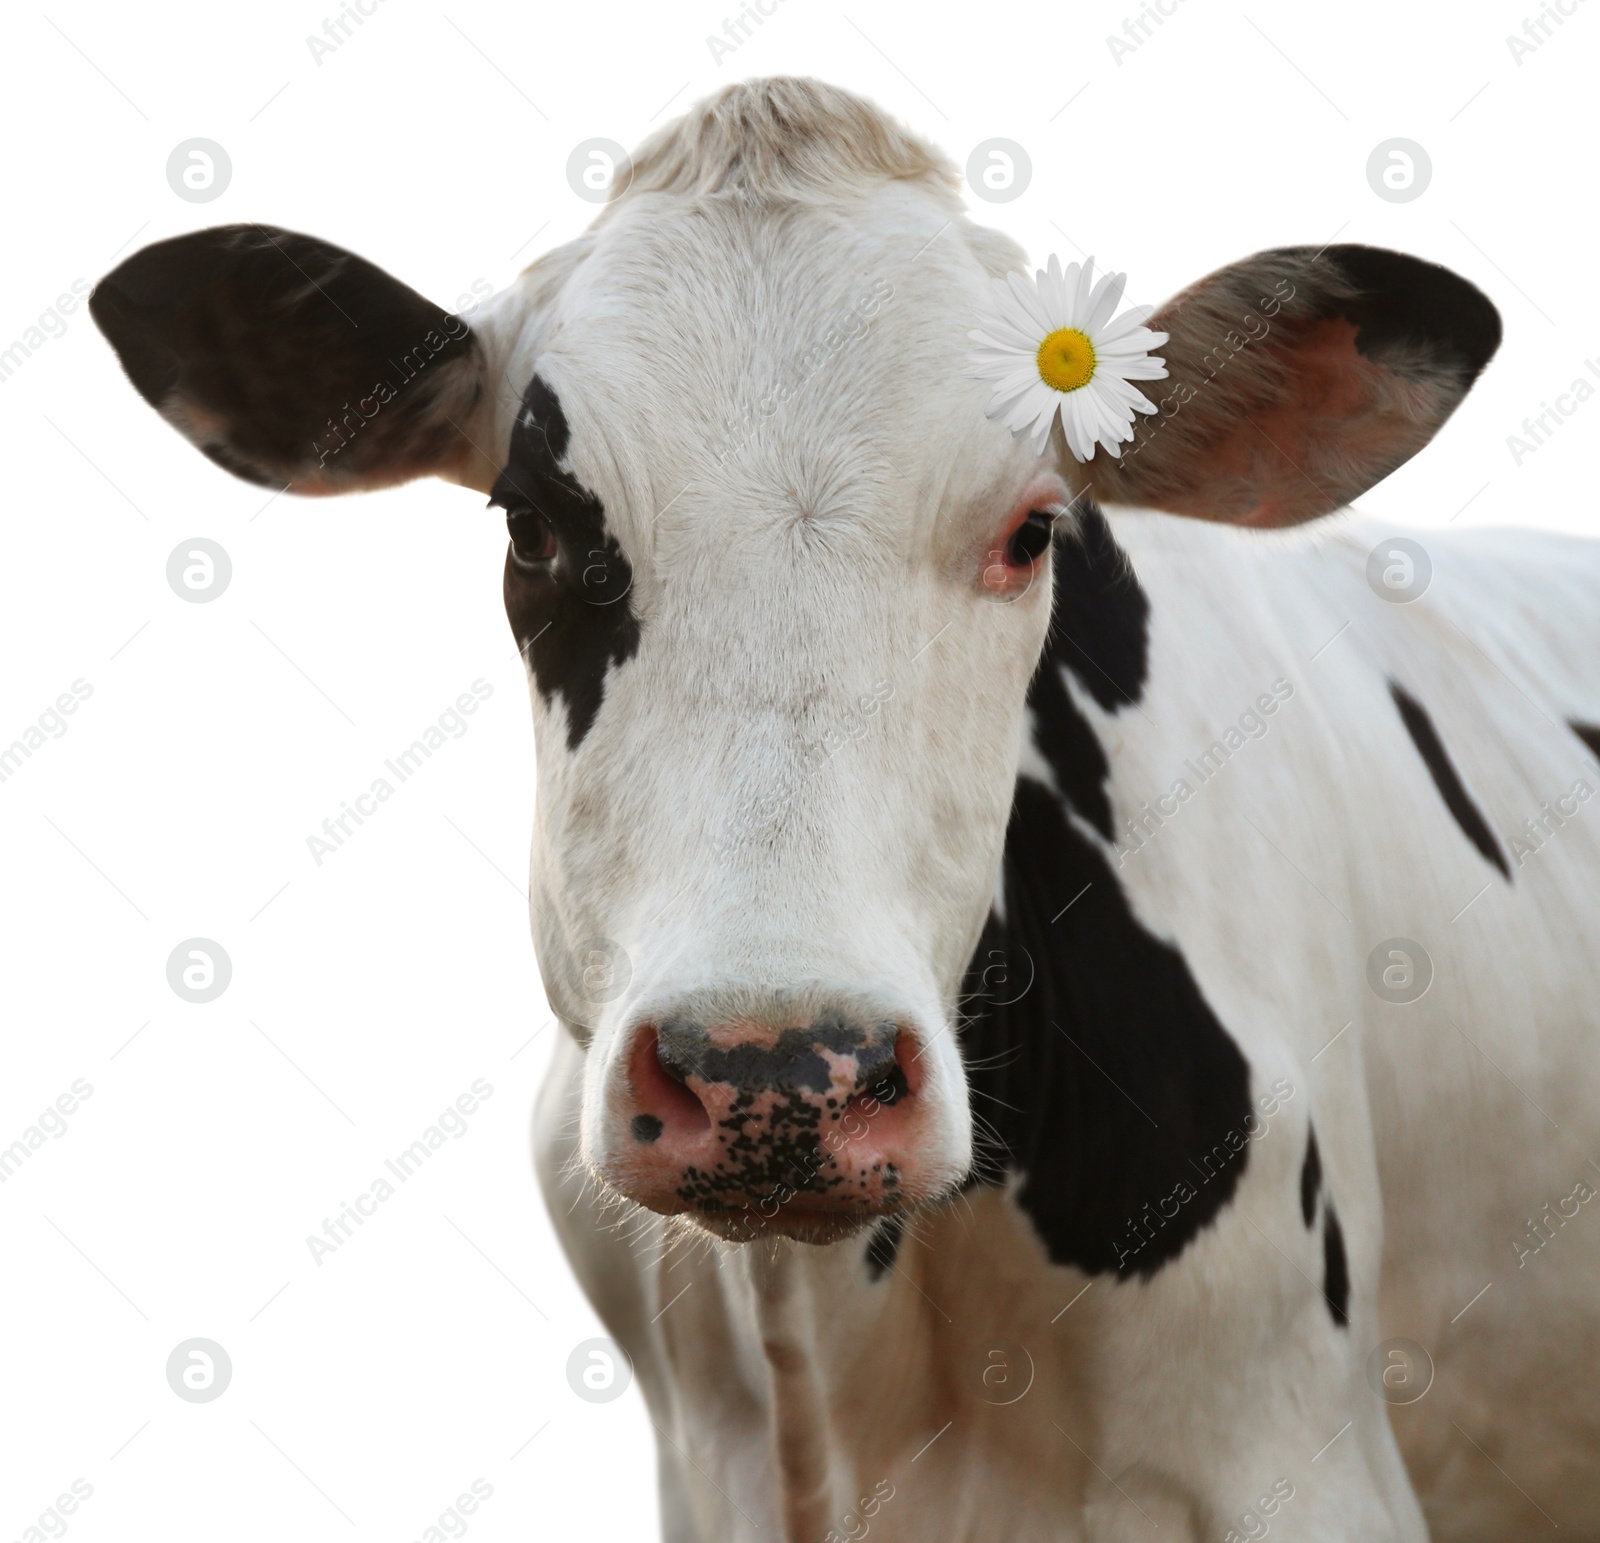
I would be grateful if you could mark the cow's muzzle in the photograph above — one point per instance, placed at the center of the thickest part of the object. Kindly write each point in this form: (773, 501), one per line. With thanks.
(805, 1131)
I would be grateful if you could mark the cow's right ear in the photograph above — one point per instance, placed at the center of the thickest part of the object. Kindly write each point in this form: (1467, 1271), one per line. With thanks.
(1298, 379)
(292, 362)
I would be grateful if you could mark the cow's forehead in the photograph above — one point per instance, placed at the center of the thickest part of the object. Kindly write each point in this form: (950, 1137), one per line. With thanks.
(753, 348)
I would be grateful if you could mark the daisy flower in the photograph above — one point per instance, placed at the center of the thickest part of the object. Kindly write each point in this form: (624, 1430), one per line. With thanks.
(1054, 345)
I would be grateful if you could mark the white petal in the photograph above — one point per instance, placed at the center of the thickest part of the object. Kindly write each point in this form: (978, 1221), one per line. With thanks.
(1134, 316)
(1140, 340)
(1079, 439)
(1080, 299)
(1001, 361)
(1055, 290)
(1041, 433)
(1105, 299)
(1016, 320)
(1027, 296)
(1139, 369)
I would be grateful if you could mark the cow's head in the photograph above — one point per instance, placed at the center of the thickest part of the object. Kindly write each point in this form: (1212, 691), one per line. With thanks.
(780, 586)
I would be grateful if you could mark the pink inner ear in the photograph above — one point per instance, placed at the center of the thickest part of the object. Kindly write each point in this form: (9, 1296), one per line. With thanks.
(1341, 423)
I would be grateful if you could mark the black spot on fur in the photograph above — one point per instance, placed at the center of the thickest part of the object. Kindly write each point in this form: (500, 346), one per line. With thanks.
(1335, 1269)
(1590, 734)
(1064, 738)
(1445, 777)
(573, 616)
(1310, 1179)
(1100, 625)
(1098, 631)
(289, 360)
(1108, 1081)
(646, 1128)
(883, 1247)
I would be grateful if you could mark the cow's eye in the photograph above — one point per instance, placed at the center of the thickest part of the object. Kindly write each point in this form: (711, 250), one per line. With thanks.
(1030, 540)
(532, 538)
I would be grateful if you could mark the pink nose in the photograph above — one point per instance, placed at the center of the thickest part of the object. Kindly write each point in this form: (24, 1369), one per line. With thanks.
(805, 1131)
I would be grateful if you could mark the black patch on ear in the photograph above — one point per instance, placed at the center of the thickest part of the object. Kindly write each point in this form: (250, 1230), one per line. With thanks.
(1100, 625)
(289, 360)
(645, 1128)
(1310, 1179)
(1407, 308)
(573, 617)
(1335, 1269)
(1590, 734)
(1109, 1082)
(1445, 777)
(883, 1247)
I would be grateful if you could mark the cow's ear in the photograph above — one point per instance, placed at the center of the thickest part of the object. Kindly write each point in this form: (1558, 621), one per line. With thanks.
(1298, 379)
(292, 362)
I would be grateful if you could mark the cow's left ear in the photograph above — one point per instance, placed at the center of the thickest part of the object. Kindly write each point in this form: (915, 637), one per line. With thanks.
(1298, 379)
(293, 362)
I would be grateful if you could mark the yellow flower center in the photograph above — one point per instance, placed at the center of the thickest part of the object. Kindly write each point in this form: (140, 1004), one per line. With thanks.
(1066, 360)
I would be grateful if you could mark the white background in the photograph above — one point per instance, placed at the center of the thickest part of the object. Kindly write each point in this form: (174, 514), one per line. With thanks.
(368, 993)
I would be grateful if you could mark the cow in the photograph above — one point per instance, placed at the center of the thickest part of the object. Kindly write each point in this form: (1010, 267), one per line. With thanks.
(1078, 983)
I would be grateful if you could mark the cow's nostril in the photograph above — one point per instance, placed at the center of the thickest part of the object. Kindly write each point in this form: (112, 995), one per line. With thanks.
(890, 1078)
(660, 1095)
